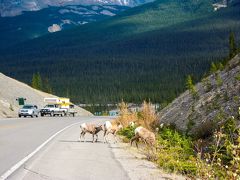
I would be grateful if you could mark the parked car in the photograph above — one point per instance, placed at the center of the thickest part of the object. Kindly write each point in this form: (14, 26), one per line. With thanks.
(28, 110)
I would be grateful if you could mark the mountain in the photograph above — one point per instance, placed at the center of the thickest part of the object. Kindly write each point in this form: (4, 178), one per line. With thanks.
(16, 7)
(145, 52)
(10, 90)
(31, 25)
(216, 102)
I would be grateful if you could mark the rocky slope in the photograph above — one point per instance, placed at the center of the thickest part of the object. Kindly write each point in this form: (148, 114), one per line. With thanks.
(218, 99)
(11, 89)
(31, 25)
(16, 7)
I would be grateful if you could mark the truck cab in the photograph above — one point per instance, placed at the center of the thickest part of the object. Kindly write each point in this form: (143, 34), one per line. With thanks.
(53, 110)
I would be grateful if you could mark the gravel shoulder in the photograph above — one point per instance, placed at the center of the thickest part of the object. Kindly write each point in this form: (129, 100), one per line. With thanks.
(137, 166)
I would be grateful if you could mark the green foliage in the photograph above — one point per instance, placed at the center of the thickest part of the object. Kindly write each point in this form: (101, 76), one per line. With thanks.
(190, 124)
(190, 86)
(220, 66)
(128, 132)
(189, 83)
(232, 45)
(219, 80)
(218, 157)
(213, 68)
(238, 77)
(236, 99)
(37, 81)
(176, 153)
(207, 84)
(46, 86)
(222, 158)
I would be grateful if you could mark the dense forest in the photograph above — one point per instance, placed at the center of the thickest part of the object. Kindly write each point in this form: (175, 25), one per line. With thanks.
(144, 53)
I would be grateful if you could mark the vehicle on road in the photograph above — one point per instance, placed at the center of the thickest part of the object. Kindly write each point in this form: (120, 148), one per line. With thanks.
(71, 111)
(58, 107)
(53, 110)
(28, 110)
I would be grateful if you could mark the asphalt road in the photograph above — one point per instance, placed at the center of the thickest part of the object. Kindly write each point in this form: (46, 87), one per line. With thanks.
(20, 137)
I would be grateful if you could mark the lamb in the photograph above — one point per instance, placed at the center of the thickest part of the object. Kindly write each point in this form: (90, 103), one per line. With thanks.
(89, 128)
(147, 136)
(110, 128)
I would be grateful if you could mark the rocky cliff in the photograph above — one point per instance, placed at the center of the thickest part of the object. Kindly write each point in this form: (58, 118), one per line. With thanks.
(217, 98)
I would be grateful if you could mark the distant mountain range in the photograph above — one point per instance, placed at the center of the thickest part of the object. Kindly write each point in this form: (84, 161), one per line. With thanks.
(30, 25)
(143, 53)
(16, 7)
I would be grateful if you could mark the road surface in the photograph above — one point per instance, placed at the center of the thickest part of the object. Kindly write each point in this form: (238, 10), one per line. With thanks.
(20, 137)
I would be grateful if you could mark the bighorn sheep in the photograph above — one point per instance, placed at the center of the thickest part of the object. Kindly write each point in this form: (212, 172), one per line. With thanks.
(89, 128)
(111, 128)
(142, 133)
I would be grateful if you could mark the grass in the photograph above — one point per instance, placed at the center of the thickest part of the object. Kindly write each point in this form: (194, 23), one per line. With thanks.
(216, 157)
(146, 117)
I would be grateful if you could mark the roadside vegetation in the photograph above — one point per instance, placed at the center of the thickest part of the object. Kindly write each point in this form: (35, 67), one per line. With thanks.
(214, 157)
(212, 154)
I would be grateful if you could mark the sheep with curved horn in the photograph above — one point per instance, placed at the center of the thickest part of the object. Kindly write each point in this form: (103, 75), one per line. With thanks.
(91, 129)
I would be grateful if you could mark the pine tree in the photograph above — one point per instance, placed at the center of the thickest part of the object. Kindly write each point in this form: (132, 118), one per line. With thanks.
(219, 80)
(37, 81)
(232, 45)
(34, 81)
(189, 83)
(191, 87)
(220, 66)
(46, 86)
(213, 68)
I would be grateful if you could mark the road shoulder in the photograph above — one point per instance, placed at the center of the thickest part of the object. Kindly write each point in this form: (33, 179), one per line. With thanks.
(137, 166)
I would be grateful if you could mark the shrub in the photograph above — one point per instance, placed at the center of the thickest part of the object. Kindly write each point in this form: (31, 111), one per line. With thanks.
(125, 115)
(147, 116)
(207, 84)
(176, 152)
(128, 132)
(219, 80)
(11, 107)
(222, 161)
(238, 77)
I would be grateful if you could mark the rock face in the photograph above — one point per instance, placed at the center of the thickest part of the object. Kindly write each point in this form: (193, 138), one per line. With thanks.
(16, 7)
(218, 99)
(11, 89)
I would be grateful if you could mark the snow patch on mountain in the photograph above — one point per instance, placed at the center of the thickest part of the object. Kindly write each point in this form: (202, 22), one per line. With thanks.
(54, 28)
(108, 13)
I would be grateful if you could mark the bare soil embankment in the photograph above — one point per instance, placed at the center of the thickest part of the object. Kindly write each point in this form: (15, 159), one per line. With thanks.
(11, 89)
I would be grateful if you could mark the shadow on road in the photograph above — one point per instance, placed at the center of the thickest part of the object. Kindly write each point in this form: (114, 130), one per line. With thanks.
(67, 141)
(116, 147)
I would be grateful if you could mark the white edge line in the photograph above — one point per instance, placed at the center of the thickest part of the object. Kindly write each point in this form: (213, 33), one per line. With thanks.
(21, 162)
